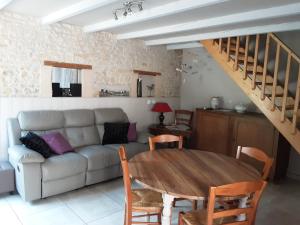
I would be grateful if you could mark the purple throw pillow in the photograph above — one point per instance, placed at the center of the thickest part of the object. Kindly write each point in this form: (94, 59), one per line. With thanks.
(57, 143)
(132, 134)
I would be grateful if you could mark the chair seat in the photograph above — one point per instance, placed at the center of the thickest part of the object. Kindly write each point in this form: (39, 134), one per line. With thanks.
(144, 199)
(198, 217)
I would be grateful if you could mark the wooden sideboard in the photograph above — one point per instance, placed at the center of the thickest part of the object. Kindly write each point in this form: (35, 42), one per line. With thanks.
(223, 131)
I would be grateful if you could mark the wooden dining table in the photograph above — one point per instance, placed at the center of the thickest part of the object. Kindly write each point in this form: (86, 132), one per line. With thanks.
(186, 174)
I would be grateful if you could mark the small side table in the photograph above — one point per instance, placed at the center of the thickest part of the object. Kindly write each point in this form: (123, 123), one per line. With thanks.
(7, 177)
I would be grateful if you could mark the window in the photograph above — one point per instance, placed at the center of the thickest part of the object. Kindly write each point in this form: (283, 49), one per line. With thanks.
(66, 82)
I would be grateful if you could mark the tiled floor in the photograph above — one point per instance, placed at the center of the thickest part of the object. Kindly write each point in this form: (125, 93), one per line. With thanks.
(102, 204)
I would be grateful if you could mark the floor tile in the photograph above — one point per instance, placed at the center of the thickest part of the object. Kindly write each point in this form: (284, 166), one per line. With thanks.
(8, 217)
(58, 216)
(113, 219)
(113, 189)
(22, 208)
(90, 205)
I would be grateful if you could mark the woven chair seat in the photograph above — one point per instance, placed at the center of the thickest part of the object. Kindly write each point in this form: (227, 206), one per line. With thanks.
(144, 198)
(198, 217)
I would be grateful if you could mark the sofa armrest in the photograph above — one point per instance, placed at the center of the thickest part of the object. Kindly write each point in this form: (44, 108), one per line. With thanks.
(143, 137)
(21, 154)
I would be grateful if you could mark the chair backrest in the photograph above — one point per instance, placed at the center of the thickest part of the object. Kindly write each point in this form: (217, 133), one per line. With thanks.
(126, 178)
(184, 117)
(258, 155)
(253, 189)
(165, 138)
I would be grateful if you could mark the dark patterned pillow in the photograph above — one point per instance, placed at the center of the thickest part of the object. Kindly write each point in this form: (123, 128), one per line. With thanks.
(36, 143)
(115, 133)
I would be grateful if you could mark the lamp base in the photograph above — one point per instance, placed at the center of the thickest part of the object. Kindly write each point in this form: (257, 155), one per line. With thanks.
(161, 120)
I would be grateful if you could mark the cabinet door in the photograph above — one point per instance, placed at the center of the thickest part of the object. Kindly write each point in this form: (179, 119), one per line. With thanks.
(212, 132)
(254, 132)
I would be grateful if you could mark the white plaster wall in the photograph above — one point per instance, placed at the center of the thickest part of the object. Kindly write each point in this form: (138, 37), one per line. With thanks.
(210, 80)
(25, 43)
(136, 109)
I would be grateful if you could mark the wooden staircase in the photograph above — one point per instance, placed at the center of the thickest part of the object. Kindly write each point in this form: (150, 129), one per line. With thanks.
(268, 72)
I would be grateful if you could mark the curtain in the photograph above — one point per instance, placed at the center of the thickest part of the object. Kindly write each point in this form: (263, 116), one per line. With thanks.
(65, 76)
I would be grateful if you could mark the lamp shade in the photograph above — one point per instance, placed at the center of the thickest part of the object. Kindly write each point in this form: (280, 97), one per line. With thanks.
(161, 107)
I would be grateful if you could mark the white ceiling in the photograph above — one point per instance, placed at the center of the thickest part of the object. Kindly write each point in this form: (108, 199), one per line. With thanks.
(167, 21)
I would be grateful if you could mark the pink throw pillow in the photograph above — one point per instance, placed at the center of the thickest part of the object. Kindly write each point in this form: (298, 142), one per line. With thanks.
(132, 133)
(57, 143)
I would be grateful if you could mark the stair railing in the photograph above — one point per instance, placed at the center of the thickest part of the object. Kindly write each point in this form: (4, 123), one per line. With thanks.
(280, 47)
(290, 56)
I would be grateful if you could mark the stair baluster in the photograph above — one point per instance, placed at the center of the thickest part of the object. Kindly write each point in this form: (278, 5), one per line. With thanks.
(255, 62)
(237, 50)
(246, 57)
(286, 84)
(266, 58)
(296, 106)
(275, 77)
(228, 49)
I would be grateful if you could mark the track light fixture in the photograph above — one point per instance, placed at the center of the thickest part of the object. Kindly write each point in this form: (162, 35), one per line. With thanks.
(129, 8)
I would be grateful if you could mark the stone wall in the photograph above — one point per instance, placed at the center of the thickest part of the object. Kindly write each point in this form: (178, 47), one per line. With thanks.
(25, 43)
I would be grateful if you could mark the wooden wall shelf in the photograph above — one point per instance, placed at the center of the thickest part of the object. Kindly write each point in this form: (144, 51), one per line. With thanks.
(148, 73)
(67, 65)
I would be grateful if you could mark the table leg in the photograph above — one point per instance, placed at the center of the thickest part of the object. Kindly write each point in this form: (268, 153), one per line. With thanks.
(167, 211)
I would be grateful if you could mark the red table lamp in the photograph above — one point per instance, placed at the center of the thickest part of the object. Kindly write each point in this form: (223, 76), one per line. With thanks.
(161, 107)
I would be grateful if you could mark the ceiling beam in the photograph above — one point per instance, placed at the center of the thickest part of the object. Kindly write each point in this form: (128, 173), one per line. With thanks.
(194, 44)
(227, 33)
(274, 12)
(75, 9)
(4, 3)
(152, 13)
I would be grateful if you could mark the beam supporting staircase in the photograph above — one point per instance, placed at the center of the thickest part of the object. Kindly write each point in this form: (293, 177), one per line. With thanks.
(268, 72)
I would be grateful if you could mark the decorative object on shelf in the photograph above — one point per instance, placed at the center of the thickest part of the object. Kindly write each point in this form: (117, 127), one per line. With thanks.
(185, 68)
(129, 8)
(150, 89)
(161, 107)
(139, 89)
(110, 93)
(240, 108)
(215, 102)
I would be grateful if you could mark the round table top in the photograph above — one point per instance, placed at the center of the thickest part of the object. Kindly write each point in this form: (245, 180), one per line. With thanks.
(188, 173)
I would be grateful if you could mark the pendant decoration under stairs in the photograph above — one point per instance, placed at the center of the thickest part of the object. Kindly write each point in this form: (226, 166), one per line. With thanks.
(268, 72)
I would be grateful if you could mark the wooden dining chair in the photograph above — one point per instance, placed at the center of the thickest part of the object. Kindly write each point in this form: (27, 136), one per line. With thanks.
(258, 155)
(184, 117)
(139, 200)
(165, 138)
(213, 216)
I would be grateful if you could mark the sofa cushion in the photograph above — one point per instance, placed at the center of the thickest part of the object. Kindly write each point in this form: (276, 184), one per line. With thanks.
(79, 118)
(41, 120)
(110, 115)
(80, 128)
(115, 133)
(36, 143)
(61, 166)
(57, 143)
(132, 148)
(99, 156)
(82, 136)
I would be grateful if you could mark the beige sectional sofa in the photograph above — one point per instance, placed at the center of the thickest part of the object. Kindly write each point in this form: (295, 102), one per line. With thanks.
(92, 162)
